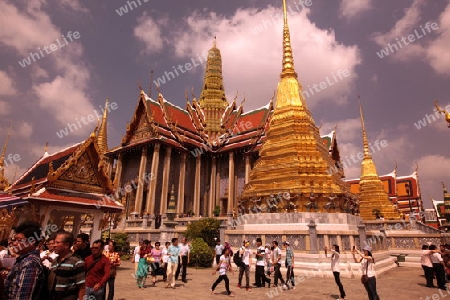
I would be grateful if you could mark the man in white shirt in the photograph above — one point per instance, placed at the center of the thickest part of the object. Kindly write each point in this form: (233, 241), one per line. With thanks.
(427, 265)
(277, 265)
(184, 255)
(219, 250)
(246, 264)
(260, 277)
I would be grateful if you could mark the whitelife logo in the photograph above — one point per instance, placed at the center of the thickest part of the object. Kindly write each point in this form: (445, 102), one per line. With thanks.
(391, 48)
(49, 49)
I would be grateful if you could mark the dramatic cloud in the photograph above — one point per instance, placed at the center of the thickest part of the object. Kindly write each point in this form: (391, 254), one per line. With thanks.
(6, 85)
(437, 51)
(5, 108)
(350, 9)
(62, 88)
(431, 47)
(253, 67)
(148, 32)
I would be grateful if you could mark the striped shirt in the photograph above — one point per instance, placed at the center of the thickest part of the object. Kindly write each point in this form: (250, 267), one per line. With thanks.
(26, 277)
(70, 275)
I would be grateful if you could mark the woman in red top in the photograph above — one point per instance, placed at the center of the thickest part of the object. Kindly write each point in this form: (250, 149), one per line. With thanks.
(114, 260)
(142, 270)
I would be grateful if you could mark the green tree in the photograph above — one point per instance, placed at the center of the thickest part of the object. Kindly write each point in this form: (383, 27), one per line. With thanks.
(205, 228)
(201, 254)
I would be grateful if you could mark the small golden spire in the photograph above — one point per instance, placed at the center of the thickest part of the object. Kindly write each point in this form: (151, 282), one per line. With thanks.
(215, 42)
(102, 137)
(364, 133)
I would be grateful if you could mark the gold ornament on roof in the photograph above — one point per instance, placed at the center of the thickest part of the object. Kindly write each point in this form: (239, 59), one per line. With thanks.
(443, 111)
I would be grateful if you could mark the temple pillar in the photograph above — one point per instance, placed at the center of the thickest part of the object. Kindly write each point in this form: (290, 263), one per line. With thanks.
(141, 182)
(181, 183)
(198, 164)
(247, 168)
(151, 195)
(230, 183)
(313, 237)
(118, 175)
(165, 180)
(212, 188)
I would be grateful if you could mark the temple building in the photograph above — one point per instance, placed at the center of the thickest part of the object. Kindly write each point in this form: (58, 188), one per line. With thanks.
(211, 149)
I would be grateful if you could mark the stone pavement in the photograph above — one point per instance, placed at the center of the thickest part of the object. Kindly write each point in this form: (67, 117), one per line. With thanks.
(401, 283)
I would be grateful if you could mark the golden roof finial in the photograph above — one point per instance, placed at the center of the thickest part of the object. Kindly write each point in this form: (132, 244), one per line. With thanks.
(288, 58)
(364, 133)
(102, 137)
(444, 187)
(46, 147)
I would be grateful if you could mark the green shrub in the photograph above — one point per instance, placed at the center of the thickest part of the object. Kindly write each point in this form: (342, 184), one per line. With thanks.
(121, 241)
(201, 254)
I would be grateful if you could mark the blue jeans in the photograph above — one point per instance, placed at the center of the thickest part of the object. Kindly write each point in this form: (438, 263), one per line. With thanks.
(97, 294)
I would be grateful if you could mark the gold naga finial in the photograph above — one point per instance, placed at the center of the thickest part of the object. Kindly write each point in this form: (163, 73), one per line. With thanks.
(364, 133)
(186, 96)
(288, 58)
(46, 147)
(443, 111)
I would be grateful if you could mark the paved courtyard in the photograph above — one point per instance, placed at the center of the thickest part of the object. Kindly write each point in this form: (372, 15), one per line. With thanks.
(401, 283)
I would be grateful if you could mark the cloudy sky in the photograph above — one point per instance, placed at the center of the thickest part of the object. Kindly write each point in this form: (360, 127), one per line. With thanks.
(85, 51)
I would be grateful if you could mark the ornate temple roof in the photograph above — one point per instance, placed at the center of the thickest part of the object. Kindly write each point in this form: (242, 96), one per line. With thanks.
(8, 200)
(72, 176)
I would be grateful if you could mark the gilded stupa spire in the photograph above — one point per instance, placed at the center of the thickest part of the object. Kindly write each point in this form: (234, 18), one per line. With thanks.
(102, 137)
(374, 200)
(3, 180)
(288, 58)
(212, 98)
(293, 158)
(364, 133)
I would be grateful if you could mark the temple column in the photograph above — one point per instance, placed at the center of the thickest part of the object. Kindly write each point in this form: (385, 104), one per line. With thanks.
(247, 168)
(212, 188)
(165, 180)
(230, 183)
(198, 164)
(118, 175)
(141, 182)
(151, 195)
(181, 183)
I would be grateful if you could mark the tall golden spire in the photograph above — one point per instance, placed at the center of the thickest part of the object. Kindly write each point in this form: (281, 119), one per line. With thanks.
(293, 157)
(102, 137)
(364, 133)
(3, 180)
(374, 200)
(212, 98)
(288, 58)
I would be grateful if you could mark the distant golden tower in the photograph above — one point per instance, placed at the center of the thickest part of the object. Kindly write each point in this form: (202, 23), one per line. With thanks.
(373, 197)
(293, 158)
(212, 98)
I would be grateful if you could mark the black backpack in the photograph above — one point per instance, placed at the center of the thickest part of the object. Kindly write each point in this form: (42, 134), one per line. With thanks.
(237, 259)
